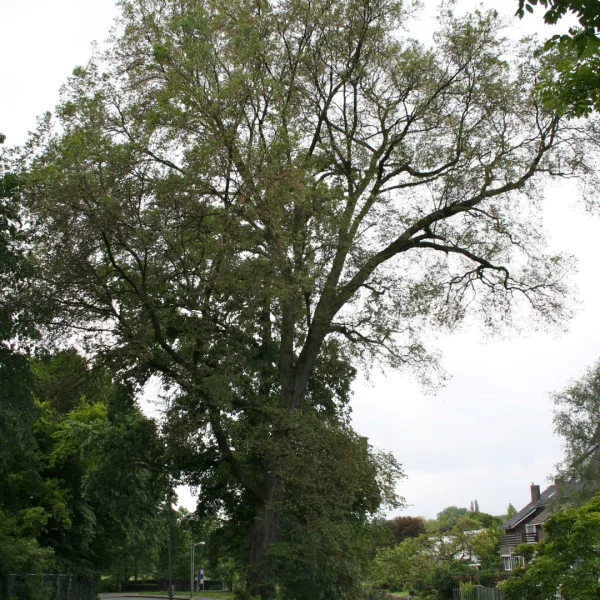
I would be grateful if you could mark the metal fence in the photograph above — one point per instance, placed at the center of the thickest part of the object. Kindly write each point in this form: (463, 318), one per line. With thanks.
(47, 587)
(179, 585)
(477, 592)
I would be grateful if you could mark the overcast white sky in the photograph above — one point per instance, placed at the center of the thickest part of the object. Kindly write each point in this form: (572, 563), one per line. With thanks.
(488, 434)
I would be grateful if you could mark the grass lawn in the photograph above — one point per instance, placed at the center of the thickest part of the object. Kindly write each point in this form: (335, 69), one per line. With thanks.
(401, 594)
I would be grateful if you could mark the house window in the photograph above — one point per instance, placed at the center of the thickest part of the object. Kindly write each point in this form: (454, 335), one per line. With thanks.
(506, 563)
(518, 561)
(529, 528)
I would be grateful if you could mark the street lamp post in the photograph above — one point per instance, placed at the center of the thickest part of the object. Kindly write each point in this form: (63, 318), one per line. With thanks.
(192, 564)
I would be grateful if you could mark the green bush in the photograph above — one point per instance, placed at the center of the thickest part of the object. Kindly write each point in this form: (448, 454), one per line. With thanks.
(372, 593)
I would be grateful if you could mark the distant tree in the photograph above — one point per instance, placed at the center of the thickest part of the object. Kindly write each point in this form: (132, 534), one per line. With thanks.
(381, 534)
(564, 565)
(406, 527)
(484, 520)
(511, 511)
(449, 517)
(430, 564)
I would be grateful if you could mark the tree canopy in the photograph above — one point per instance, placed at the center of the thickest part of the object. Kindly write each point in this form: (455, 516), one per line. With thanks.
(74, 500)
(570, 80)
(405, 527)
(250, 200)
(577, 421)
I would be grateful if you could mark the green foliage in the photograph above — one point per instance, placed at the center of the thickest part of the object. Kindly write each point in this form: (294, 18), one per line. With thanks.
(467, 590)
(577, 421)
(485, 520)
(449, 517)
(19, 547)
(452, 516)
(486, 547)
(511, 511)
(75, 501)
(565, 564)
(570, 76)
(587, 11)
(433, 564)
(402, 528)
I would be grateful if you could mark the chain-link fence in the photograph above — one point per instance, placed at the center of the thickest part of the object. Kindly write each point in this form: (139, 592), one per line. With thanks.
(47, 587)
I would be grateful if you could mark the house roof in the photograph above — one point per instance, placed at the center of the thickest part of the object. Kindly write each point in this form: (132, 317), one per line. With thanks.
(531, 508)
(541, 518)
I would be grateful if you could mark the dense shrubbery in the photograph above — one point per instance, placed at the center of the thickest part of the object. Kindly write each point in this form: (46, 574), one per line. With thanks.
(431, 565)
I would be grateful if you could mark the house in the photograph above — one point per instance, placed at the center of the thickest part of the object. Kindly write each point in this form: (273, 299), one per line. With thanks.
(525, 527)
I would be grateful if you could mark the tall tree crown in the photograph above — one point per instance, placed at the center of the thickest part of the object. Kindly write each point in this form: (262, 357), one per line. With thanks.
(345, 183)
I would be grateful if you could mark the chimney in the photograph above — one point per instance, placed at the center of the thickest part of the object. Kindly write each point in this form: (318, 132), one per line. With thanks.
(559, 483)
(535, 493)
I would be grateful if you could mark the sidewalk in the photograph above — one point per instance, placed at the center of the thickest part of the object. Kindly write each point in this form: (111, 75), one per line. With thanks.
(177, 596)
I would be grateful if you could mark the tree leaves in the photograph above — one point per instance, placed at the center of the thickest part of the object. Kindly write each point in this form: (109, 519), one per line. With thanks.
(570, 80)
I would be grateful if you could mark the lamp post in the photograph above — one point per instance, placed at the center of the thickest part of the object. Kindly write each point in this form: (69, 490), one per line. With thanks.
(193, 546)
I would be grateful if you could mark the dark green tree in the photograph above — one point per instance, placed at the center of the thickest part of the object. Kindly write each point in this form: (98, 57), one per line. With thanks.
(93, 501)
(17, 409)
(22, 520)
(334, 483)
(405, 527)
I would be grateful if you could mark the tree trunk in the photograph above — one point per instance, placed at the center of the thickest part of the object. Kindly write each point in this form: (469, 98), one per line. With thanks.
(265, 530)
(293, 381)
(170, 508)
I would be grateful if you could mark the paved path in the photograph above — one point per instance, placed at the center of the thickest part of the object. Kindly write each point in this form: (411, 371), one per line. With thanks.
(125, 596)
(177, 596)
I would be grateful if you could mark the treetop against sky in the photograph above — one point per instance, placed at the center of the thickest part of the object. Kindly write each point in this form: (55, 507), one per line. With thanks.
(371, 239)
